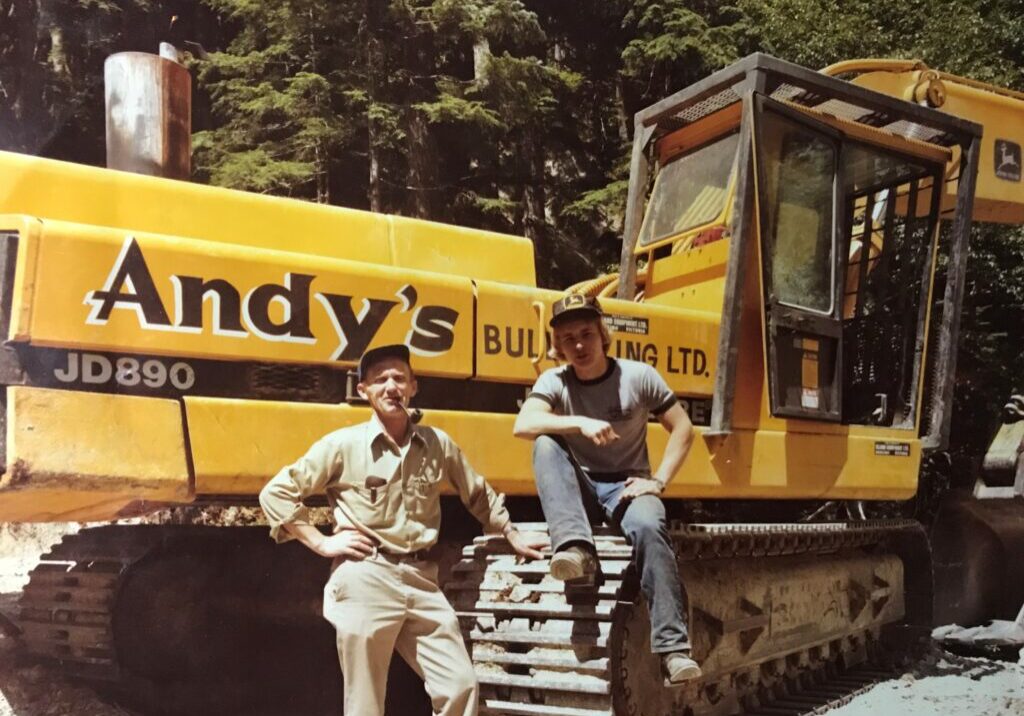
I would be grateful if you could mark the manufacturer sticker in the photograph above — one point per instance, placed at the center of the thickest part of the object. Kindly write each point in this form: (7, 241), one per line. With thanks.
(892, 449)
(809, 398)
(627, 324)
(1007, 160)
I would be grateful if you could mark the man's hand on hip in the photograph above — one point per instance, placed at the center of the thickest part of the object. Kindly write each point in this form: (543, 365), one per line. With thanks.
(597, 431)
(637, 486)
(348, 543)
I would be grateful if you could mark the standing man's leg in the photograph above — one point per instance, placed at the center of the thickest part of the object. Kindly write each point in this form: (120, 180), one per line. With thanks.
(362, 600)
(431, 643)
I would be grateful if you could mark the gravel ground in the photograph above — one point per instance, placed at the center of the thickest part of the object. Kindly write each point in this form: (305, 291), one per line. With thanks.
(940, 685)
(946, 684)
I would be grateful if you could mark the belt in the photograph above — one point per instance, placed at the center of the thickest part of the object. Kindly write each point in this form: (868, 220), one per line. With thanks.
(420, 555)
(608, 476)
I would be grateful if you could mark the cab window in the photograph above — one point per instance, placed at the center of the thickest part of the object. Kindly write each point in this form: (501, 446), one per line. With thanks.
(690, 190)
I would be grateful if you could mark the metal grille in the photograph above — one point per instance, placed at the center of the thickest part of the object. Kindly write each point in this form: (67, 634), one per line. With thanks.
(856, 113)
(286, 381)
(890, 231)
(705, 107)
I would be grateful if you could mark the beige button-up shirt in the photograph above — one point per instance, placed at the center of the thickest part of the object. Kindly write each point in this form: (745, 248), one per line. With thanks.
(371, 486)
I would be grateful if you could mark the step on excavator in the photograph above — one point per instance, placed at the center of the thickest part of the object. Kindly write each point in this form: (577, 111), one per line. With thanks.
(168, 346)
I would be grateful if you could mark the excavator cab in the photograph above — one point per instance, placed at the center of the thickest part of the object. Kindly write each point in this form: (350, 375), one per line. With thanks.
(829, 199)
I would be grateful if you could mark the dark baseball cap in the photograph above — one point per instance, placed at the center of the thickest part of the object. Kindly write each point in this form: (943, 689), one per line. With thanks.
(574, 305)
(376, 355)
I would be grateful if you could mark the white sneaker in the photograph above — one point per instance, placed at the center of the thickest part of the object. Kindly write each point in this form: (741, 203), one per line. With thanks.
(679, 668)
(573, 564)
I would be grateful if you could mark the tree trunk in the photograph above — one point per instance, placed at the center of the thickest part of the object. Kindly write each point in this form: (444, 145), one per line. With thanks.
(481, 56)
(620, 109)
(323, 189)
(420, 63)
(374, 71)
(535, 223)
(24, 122)
(422, 166)
(58, 58)
(320, 150)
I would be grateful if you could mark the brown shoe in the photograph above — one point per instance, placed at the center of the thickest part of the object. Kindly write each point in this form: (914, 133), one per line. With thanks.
(679, 668)
(573, 565)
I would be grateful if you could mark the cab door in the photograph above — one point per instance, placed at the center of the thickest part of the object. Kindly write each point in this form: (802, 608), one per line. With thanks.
(801, 260)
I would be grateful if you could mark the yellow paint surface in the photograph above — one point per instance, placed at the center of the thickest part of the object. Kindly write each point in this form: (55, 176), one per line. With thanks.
(239, 445)
(73, 452)
(64, 191)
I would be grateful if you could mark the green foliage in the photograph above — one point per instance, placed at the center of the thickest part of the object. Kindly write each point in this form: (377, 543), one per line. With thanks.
(452, 109)
(275, 99)
(990, 362)
(672, 37)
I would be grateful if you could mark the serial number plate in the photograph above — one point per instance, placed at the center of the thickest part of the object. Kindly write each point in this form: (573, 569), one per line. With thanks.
(95, 369)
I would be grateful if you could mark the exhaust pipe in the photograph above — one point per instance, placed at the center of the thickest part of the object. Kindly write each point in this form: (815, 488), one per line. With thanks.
(149, 113)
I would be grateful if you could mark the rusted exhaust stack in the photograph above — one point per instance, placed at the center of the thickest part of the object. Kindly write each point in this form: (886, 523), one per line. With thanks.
(149, 113)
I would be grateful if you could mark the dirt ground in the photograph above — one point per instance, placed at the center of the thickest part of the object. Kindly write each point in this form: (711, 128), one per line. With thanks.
(941, 685)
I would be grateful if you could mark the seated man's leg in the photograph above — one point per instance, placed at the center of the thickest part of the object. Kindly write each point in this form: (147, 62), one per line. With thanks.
(561, 493)
(363, 603)
(431, 643)
(643, 522)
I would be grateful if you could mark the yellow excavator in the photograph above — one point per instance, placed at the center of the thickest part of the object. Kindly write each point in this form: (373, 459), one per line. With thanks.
(170, 344)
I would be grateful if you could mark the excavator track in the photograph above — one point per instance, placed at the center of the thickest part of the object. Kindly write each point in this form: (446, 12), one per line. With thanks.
(782, 616)
(775, 626)
(123, 607)
(67, 608)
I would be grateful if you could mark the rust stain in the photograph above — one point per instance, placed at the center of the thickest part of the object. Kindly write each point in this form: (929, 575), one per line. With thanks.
(23, 477)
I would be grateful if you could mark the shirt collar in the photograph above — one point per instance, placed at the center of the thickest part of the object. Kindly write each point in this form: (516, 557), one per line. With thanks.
(376, 431)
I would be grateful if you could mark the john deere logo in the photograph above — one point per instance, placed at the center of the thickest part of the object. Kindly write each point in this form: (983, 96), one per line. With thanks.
(1007, 160)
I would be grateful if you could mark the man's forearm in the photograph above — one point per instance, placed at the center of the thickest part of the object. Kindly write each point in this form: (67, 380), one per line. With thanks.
(534, 424)
(307, 534)
(676, 450)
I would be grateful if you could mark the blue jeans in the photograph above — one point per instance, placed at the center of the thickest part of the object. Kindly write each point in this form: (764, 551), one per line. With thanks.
(568, 496)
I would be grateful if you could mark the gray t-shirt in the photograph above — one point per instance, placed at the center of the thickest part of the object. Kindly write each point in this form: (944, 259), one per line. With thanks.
(625, 396)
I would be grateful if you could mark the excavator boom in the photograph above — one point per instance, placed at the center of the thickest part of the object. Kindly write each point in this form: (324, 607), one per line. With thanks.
(999, 193)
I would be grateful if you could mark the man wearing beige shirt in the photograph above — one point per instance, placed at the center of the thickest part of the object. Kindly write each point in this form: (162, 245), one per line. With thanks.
(382, 479)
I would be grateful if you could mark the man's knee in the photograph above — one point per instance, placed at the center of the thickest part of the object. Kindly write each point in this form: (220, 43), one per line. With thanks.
(551, 460)
(546, 447)
(644, 521)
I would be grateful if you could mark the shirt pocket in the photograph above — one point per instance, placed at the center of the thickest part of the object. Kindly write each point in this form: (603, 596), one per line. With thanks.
(368, 502)
(425, 485)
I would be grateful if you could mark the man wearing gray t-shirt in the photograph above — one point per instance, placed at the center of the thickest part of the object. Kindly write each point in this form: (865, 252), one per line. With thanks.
(588, 421)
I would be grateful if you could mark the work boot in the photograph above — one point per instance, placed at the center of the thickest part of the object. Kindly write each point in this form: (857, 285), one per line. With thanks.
(679, 668)
(574, 565)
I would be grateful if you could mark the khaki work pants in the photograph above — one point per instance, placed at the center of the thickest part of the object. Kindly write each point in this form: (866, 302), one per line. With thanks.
(382, 604)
